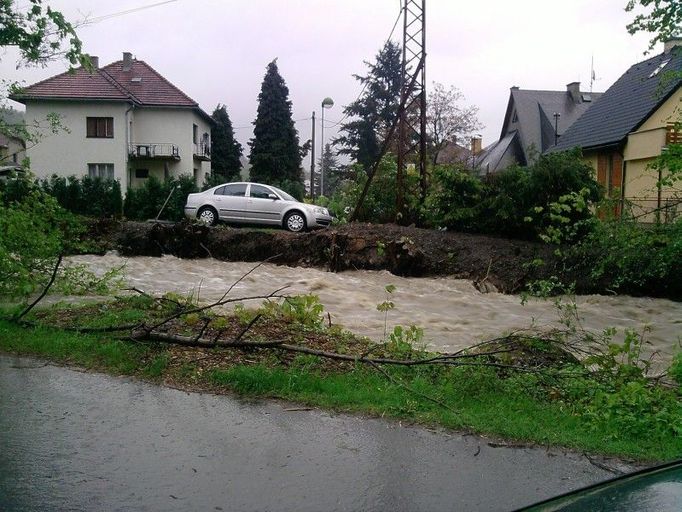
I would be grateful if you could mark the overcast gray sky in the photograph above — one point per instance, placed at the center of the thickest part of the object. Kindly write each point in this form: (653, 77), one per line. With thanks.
(217, 50)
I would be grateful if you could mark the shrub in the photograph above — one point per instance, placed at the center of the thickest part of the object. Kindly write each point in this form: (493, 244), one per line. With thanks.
(34, 230)
(630, 258)
(675, 370)
(454, 199)
(146, 202)
(523, 202)
(95, 197)
(380, 203)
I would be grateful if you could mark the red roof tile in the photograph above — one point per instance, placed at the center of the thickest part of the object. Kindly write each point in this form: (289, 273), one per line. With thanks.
(141, 84)
(76, 84)
(147, 85)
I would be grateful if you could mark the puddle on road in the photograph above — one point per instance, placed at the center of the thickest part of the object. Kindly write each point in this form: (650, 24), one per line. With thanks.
(451, 311)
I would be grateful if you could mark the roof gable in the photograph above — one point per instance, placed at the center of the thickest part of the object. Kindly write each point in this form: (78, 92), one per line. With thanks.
(535, 112)
(628, 103)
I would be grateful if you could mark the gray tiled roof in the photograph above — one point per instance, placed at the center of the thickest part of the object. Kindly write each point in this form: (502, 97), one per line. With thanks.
(489, 159)
(535, 111)
(625, 105)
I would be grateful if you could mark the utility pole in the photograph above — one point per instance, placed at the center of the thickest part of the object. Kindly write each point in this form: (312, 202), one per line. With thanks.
(312, 161)
(412, 115)
(412, 98)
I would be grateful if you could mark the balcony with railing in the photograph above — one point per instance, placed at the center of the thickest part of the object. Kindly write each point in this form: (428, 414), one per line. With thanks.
(202, 151)
(154, 150)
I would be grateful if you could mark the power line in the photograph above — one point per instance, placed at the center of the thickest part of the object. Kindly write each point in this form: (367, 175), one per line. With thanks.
(390, 35)
(97, 19)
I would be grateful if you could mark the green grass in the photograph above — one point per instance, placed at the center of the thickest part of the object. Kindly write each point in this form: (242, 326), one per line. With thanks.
(477, 399)
(88, 351)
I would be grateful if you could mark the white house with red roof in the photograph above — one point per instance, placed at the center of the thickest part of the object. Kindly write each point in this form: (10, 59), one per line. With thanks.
(122, 121)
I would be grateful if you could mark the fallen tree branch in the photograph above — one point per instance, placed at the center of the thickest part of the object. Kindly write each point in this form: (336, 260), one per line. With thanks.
(193, 341)
(445, 360)
(45, 290)
(221, 302)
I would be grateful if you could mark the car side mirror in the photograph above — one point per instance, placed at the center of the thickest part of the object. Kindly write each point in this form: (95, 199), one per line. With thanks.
(273, 196)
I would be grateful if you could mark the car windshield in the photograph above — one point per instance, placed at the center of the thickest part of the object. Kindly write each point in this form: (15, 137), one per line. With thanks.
(283, 194)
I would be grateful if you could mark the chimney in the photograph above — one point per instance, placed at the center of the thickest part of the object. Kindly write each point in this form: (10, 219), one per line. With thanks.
(476, 145)
(673, 42)
(127, 61)
(574, 90)
(94, 60)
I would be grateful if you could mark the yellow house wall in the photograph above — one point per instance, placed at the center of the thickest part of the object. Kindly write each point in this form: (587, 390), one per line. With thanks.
(643, 146)
(669, 112)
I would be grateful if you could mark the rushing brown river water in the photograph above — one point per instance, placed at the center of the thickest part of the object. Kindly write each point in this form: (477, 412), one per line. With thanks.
(451, 311)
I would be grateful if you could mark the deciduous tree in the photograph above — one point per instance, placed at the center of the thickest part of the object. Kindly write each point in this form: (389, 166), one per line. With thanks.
(662, 18)
(447, 120)
(40, 33)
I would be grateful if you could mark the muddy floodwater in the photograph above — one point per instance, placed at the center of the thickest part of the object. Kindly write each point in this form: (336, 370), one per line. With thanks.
(452, 312)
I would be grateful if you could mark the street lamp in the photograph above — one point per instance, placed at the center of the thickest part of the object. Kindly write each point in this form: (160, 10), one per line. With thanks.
(326, 103)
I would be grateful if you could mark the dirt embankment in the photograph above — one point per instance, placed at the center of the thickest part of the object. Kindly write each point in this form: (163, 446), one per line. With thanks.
(492, 263)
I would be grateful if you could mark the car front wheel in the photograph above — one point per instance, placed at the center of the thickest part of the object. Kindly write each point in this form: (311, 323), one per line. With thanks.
(295, 221)
(208, 216)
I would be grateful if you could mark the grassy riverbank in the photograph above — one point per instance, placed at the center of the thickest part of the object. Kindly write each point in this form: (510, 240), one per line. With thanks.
(557, 408)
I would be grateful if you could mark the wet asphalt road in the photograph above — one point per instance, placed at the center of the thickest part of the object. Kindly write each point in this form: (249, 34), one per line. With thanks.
(78, 441)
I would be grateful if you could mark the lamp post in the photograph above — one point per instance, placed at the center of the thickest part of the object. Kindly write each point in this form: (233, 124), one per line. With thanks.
(312, 162)
(326, 103)
(556, 125)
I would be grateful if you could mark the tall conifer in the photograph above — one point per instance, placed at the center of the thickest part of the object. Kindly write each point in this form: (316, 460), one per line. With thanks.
(225, 150)
(275, 155)
(373, 113)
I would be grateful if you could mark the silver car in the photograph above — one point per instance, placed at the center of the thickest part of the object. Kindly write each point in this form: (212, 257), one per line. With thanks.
(254, 203)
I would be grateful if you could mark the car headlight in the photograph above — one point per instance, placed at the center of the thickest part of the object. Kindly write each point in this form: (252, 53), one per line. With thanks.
(320, 210)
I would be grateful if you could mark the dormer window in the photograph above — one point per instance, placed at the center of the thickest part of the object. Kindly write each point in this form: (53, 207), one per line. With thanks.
(515, 118)
(659, 68)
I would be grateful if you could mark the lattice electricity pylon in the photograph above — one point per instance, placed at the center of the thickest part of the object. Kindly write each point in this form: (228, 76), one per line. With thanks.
(412, 114)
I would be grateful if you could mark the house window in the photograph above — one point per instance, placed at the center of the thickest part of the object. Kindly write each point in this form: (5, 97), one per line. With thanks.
(100, 127)
(610, 172)
(142, 173)
(672, 134)
(104, 171)
(195, 134)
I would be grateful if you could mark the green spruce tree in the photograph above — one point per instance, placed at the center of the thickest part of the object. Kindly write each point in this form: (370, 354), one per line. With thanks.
(334, 172)
(275, 154)
(225, 150)
(373, 113)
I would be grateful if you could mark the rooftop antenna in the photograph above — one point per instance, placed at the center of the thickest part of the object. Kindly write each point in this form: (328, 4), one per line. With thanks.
(593, 77)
